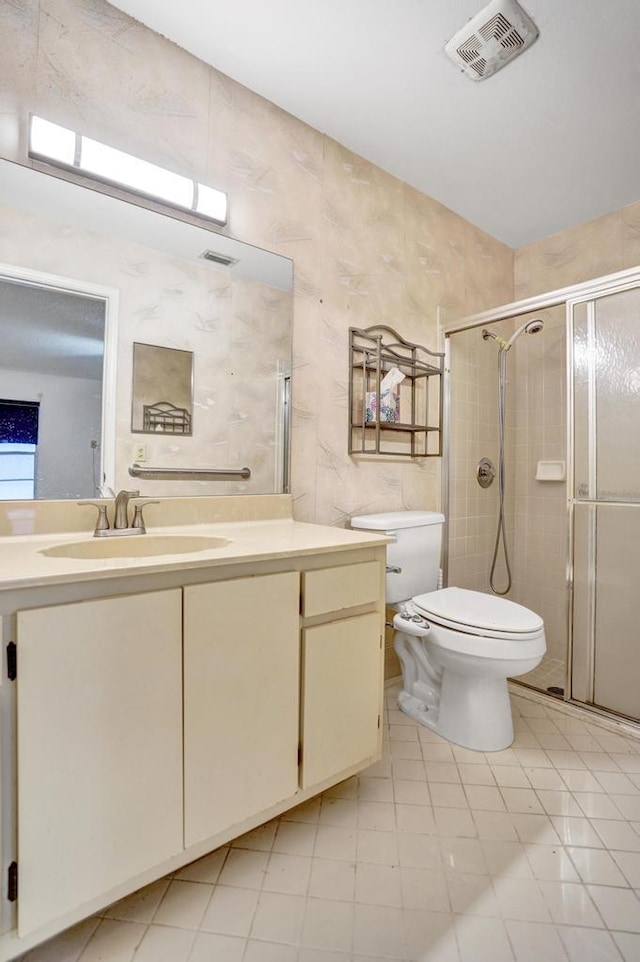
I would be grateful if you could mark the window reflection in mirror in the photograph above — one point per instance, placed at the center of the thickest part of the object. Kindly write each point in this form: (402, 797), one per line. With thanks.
(51, 369)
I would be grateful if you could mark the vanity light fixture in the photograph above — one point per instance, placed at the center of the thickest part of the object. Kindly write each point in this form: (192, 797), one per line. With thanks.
(59, 145)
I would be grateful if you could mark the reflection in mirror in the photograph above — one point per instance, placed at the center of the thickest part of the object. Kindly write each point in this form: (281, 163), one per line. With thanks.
(165, 279)
(51, 372)
(162, 401)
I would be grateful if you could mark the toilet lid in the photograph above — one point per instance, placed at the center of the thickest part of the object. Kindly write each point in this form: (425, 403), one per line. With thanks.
(474, 611)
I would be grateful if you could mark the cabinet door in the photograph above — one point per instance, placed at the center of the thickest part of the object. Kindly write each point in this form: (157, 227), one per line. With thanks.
(341, 696)
(241, 697)
(99, 748)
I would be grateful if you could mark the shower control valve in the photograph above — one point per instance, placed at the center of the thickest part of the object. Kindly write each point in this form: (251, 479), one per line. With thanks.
(485, 472)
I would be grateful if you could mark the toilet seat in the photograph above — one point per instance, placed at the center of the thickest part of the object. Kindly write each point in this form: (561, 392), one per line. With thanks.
(476, 613)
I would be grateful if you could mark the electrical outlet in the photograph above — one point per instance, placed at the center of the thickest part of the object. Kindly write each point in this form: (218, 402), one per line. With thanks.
(139, 453)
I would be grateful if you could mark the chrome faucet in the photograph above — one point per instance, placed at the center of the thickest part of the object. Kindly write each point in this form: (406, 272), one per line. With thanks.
(121, 524)
(121, 517)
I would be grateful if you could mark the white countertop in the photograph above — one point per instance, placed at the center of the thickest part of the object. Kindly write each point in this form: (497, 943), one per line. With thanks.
(22, 563)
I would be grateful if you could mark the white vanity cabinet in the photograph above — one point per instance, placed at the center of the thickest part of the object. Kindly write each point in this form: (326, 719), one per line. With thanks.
(99, 760)
(342, 664)
(159, 716)
(241, 700)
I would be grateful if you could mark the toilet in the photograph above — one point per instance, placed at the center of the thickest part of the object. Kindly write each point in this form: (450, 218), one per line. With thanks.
(456, 647)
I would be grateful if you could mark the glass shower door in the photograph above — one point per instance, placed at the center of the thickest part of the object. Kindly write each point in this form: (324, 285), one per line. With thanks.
(606, 502)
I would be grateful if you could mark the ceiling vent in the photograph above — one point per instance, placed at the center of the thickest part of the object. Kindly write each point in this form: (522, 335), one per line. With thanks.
(491, 39)
(221, 259)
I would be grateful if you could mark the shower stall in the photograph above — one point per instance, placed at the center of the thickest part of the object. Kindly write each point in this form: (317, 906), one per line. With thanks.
(550, 426)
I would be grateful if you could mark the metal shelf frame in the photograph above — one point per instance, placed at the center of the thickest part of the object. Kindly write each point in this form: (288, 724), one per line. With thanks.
(373, 351)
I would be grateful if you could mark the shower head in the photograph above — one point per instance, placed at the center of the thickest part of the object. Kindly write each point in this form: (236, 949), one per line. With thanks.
(531, 327)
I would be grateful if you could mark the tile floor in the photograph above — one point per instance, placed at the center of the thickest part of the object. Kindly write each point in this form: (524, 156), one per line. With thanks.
(550, 671)
(435, 854)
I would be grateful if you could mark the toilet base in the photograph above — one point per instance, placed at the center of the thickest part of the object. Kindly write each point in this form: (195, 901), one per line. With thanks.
(475, 712)
(475, 716)
(464, 700)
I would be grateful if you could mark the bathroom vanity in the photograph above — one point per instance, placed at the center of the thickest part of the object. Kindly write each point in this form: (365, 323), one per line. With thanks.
(155, 707)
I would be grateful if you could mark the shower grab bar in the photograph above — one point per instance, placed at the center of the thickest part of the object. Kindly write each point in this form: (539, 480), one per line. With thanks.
(188, 474)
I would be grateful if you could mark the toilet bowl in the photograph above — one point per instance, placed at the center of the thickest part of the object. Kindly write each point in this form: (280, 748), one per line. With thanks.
(456, 647)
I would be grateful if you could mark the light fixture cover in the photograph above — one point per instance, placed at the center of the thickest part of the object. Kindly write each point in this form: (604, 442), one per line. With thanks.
(490, 40)
(67, 148)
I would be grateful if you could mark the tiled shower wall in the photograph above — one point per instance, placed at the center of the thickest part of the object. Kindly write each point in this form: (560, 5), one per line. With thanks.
(473, 510)
(536, 512)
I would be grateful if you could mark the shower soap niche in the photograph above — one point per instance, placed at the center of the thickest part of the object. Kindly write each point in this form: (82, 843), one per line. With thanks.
(551, 471)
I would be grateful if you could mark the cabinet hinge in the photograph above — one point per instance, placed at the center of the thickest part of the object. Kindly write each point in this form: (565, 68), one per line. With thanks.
(299, 754)
(381, 640)
(12, 661)
(12, 882)
(378, 721)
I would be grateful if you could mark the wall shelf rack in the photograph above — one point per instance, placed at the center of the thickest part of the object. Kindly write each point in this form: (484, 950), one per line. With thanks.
(411, 427)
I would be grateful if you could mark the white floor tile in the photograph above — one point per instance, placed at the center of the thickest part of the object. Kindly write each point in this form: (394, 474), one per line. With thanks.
(334, 842)
(278, 918)
(378, 931)
(163, 944)
(329, 925)
(113, 940)
(270, 952)
(245, 869)
(378, 847)
(288, 874)
(206, 869)
(531, 854)
(184, 905)
(551, 863)
(378, 885)
(629, 945)
(619, 907)
(569, 903)
(596, 866)
(222, 948)
(230, 911)
(295, 838)
(141, 906)
(483, 940)
(629, 863)
(520, 899)
(429, 937)
(534, 942)
(332, 879)
(588, 945)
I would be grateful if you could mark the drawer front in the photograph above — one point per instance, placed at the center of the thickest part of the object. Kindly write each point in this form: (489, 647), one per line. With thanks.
(347, 586)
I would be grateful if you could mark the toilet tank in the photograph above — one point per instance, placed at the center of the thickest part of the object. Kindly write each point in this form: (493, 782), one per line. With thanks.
(415, 549)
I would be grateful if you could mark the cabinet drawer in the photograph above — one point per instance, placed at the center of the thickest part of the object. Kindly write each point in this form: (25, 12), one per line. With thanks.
(332, 589)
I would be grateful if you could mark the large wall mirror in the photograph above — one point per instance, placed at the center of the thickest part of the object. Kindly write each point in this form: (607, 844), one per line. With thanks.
(83, 277)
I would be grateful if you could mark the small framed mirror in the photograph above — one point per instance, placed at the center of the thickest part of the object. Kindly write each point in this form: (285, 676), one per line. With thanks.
(162, 395)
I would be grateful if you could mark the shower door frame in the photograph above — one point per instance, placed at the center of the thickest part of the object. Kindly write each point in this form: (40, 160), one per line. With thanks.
(569, 296)
(610, 285)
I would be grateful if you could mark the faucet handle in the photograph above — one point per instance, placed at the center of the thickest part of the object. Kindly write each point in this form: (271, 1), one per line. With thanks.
(102, 521)
(138, 520)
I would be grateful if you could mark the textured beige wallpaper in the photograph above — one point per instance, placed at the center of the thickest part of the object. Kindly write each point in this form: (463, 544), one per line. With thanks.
(367, 248)
(597, 247)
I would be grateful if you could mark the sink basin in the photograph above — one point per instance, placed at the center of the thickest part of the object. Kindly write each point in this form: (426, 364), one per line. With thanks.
(135, 546)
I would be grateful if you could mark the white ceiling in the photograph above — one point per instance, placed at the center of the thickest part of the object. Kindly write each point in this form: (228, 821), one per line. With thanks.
(550, 141)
